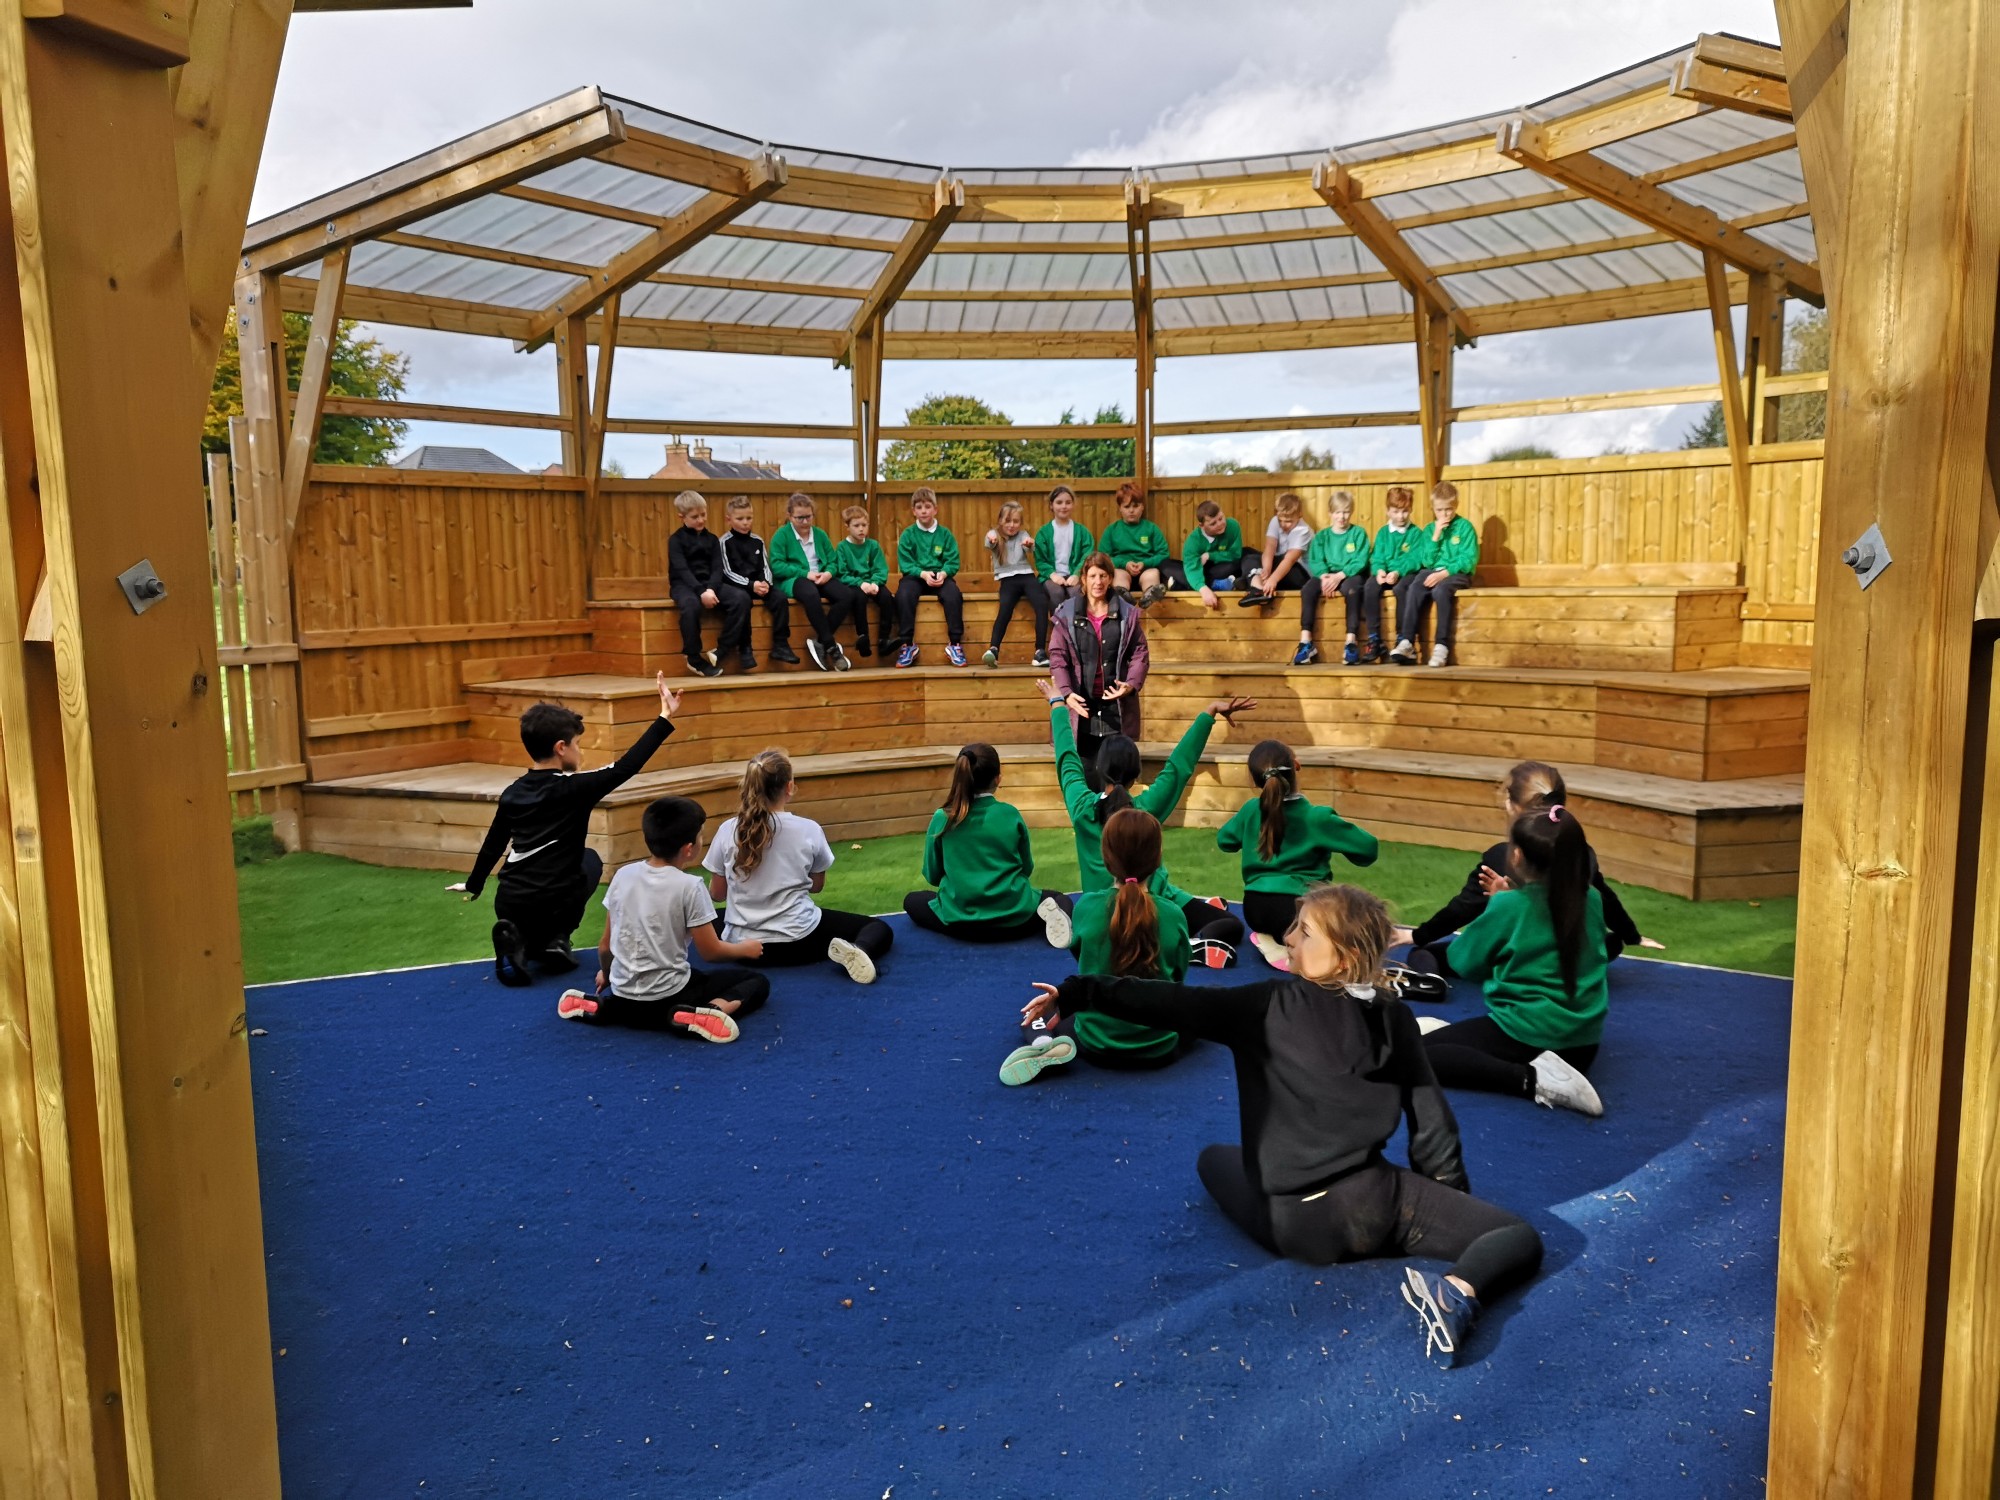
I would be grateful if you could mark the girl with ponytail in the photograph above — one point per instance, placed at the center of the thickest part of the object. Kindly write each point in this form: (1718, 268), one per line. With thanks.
(1539, 948)
(1124, 929)
(1094, 791)
(1530, 787)
(1329, 1063)
(976, 853)
(1287, 845)
(767, 864)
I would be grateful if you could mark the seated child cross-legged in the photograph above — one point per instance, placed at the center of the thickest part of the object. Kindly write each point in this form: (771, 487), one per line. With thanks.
(1328, 1064)
(1212, 555)
(550, 871)
(1336, 564)
(1127, 929)
(1287, 844)
(652, 911)
(1060, 548)
(858, 562)
(767, 864)
(977, 854)
(927, 555)
(1283, 565)
(1539, 947)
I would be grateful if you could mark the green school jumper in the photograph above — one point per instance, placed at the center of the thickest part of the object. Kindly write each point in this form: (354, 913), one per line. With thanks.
(1159, 799)
(1143, 543)
(1202, 548)
(1313, 835)
(1511, 946)
(1343, 552)
(921, 551)
(860, 562)
(788, 556)
(981, 866)
(1398, 552)
(1457, 551)
(1045, 549)
(1091, 943)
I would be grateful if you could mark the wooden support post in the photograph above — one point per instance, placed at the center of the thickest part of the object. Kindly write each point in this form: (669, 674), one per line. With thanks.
(1880, 1001)
(122, 723)
(314, 375)
(600, 417)
(867, 358)
(1139, 269)
(573, 390)
(1763, 354)
(1433, 334)
(1814, 34)
(1731, 382)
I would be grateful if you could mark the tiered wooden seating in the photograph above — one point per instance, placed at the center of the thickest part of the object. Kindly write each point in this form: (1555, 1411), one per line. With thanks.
(1620, 628)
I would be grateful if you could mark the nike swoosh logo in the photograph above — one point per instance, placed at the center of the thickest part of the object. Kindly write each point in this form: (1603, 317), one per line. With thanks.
(514, 855)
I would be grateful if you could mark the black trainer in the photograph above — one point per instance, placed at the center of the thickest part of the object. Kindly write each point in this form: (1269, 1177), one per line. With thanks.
(510, 955)
(780, 651)
(701, 666)
(746, 660)
(1416, 986)
(556, 957)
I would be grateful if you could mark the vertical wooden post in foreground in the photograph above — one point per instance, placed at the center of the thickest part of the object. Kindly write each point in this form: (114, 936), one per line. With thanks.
(129, 972)
(1763, 354)
(1434, 372)
(1886, 915)
(866, 363)
(1727, 376)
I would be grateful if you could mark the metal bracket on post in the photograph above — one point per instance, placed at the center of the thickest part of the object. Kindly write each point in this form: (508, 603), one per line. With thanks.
(142, 586)
(1869, 556)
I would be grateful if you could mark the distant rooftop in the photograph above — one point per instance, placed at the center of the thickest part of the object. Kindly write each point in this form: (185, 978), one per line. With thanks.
(465, 460)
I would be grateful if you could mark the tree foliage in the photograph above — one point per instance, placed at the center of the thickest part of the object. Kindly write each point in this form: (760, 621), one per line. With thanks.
(1305, 456)
(1808, 343)
(917, 460)
(1520, 453)
(1232, 466)
(362, 366)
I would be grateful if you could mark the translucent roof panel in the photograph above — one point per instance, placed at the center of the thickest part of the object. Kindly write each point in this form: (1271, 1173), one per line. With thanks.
(1284, 260)
(615, 187)
(826, 221)
(1022, 272)
(1618, 270)
(1751, 187)
(1287, 221)
(455, 278)
(1793, 236)
(502, 223)
(1549, 230)
(1498, 189)
(1085, 233)
(1275, 309)
(1672, 146)
(733, 258)
(1012, 317)
(703, 304)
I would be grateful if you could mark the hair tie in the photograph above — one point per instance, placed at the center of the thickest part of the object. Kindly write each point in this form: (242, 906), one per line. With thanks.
(1553, 811)
(1130, 880)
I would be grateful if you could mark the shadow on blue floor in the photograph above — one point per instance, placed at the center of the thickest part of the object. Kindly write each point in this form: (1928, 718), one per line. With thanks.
(513, 1256)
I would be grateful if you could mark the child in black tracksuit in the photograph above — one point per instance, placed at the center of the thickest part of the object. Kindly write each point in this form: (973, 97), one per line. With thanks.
(545, 817)
(694, 578)
(747, 572)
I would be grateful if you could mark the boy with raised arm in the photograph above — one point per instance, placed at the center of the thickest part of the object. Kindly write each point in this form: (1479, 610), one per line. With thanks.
(542, 823)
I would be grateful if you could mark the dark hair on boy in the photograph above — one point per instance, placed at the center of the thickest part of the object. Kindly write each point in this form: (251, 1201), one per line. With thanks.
(976, 770)
(1206, 510)
(1551, 844)
(1532, 785)
(1276, 771)
(546, 723)
(670, 824)
(1132, 855)
(1114, 770)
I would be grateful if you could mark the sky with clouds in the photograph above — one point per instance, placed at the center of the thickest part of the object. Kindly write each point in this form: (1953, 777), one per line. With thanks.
(1035, 83)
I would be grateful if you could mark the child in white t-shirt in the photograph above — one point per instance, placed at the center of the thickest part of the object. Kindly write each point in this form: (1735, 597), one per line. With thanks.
(1283, 564)
(768, 864)
(653, 910)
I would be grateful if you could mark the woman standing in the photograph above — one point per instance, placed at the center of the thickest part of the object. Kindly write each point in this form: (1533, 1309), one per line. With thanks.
(1097, 658)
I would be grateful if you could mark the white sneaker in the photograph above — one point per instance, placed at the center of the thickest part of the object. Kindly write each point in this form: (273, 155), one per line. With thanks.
(860, 967)
(1273, 951)
(1428, 1024)
(1055, 922)
(1440, 656)
(1560, 1086)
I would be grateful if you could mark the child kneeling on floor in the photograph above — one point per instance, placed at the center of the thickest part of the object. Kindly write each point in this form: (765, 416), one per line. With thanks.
(652, 911)
(1328, 1064)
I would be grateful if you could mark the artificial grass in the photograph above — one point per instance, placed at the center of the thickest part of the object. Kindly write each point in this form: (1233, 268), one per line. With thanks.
(309, 915)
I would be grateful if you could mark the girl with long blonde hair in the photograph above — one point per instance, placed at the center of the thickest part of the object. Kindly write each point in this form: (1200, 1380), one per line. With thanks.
(1328, 1065)
(767, 864)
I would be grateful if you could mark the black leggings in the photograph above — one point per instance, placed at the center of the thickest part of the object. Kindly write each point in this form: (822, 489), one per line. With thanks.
(885, 613)
(704, 987)
(1269, 912)
(1444, 593)
(1406, 588)
(542, 919)
(919, 907)
(732, 603)
(827, 605)
(1378, 1210)
(1310, 601)
(1213, 924)
(1013, 589)
(912, 589)
(871, 935)
(1477, 1054)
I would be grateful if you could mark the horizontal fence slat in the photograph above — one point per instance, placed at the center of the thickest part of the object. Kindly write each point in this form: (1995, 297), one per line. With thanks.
(431, 635)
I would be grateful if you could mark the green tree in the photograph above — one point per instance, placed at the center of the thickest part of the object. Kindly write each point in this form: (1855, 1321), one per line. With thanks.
(1710, 431)
(1306, 456)
(362, 366)
(1232, 466)
(1520, 453)
(1808, 343)
(919, 459)
(1093, 458)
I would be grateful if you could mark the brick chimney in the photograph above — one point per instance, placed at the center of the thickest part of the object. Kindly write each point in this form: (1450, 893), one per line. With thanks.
(703, 453)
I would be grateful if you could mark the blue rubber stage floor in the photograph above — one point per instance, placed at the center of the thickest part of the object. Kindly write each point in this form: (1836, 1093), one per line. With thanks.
(514, 1256)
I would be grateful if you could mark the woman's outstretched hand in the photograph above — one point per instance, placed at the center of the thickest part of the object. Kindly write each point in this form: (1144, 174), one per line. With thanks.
(1042, 1007)
(1226, 709)
(1116, 691)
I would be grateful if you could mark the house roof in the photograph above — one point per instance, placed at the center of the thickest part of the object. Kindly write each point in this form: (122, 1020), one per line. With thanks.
(473, 460)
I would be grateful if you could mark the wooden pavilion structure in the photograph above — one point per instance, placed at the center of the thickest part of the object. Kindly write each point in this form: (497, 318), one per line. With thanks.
(134, 1349)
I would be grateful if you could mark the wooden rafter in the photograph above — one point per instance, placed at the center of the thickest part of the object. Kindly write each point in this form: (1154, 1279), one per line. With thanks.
(433, 182)
(673, 237)
(1734, 425)
(1729, 88)
(947, 203)
(1139, 209)
(1524, 142)
(1373, 229)
(1618, 120)
(315, 374)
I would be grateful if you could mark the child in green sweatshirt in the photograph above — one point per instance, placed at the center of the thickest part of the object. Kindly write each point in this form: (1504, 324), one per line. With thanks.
(1060, 548)
(1212, 556)
(1336, 563)
(1287, 845)
(1395, 565)
(858, 562)
(1137, 546)
(927, 557)
(976, 853)
(1128, 930)
(1539, 948)
(1451, 555)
